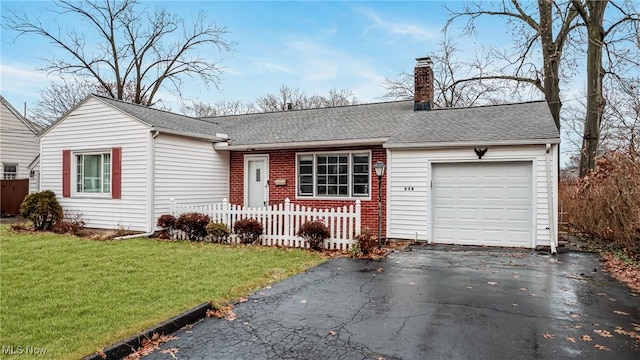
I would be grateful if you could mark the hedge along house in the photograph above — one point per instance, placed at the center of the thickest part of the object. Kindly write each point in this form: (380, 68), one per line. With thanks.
(478, 175)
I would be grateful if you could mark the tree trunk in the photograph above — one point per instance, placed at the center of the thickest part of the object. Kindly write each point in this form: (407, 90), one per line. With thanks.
(551, 54)
(595, 73)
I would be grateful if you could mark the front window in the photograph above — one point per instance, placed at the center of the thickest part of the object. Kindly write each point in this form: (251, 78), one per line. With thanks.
(93, 173)
(10, 171)
(333, 175)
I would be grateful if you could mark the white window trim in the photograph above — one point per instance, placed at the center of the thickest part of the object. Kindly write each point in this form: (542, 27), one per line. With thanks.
(74, 174)
(350, 153)
(4, 173)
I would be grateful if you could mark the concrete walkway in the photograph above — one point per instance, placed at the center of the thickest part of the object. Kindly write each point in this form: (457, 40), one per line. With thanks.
(429, 303)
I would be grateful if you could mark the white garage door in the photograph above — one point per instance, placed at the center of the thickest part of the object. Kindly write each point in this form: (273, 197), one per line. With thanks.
(482, 203)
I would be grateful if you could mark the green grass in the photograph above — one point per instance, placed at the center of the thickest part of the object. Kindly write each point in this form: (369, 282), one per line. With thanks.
(73, 296)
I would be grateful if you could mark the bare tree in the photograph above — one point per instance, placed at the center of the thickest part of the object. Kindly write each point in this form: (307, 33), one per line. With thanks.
(58, 98)
(449, 69)
(218, 108)
(293, 99)
(542, 32)
(120, 43)
(539, 32)
(592, 13)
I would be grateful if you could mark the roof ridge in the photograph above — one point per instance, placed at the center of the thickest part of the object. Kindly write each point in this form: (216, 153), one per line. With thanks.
(152, 108)
(489, 105)
(307, 109)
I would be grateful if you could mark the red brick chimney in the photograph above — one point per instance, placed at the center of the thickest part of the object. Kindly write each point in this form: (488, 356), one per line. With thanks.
(423, 91)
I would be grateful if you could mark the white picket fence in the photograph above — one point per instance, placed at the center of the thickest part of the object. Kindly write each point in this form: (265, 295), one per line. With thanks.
(281, 222)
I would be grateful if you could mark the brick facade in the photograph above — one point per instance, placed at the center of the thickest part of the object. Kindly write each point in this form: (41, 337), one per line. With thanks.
(282, 165)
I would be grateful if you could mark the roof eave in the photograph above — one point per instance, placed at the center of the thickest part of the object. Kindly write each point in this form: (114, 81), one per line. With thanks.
(474, 143)
(303, 144)
(215, 138)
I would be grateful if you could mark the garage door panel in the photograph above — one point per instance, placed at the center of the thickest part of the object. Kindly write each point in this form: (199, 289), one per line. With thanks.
(482, 204)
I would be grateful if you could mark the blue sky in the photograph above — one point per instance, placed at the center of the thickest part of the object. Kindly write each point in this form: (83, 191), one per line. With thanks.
(314, 46)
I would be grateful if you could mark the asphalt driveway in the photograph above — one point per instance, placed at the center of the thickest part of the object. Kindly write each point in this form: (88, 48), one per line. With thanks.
(429, 303)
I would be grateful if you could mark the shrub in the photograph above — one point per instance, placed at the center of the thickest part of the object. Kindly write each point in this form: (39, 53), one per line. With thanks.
(219, 232)
(194, 225)
(72, 222)
(314, 232)
(248, 230)
(366, 242)
(167, 222)
(604, 204)
(42, 208)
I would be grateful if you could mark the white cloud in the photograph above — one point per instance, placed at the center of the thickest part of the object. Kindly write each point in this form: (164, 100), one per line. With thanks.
(399, 29)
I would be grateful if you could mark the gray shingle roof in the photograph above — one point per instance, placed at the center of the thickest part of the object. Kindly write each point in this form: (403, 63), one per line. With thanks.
(164, 119)
(396, 121)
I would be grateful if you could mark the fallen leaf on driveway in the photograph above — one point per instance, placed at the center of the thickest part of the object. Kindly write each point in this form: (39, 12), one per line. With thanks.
(304, 301)
(380, 269)
(523, 289)
(243, 300)
(603, 333)
(412, 283)
(602, 294)
(267, 287)
(515, 276)
(469, 287)
(620, 312)
(576, 326)
(612, 299)
(570, 303)
(586, 338)
(575, 316)
(635, 336)
(170, 351)
(332, 333)
(547, 336)
(533, 294)
(601, 347)
(514, 304)
(571, 338)
(492, 283)
(230, 315)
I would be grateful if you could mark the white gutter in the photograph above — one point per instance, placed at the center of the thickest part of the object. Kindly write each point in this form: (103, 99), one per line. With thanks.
(217, 137)
(552, 225)
(435, 145)
(301, 144)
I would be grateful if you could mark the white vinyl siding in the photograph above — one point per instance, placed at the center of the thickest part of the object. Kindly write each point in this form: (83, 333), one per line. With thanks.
(190, 171)
(409, 181)
(95, 126)
(19, 145)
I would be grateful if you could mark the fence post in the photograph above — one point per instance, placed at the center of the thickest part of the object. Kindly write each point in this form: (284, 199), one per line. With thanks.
(358, 220)
(225, 213)
(287, 219)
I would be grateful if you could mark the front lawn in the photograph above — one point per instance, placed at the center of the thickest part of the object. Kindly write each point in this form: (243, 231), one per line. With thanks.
(72, 296)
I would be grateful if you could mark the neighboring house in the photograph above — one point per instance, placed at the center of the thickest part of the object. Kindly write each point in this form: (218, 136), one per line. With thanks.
(19, 146)
(479, 175)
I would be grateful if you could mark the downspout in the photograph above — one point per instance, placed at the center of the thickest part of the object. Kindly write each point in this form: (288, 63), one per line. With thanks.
(151, 179)
(552, 224)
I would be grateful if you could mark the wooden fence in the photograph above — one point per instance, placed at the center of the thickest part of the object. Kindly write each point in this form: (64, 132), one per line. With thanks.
(281, 222)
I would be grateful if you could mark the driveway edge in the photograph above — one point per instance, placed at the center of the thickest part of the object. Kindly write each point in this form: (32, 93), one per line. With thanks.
(127, 346)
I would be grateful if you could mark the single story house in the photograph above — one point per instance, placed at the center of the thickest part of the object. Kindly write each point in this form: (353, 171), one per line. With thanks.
(19, 146)
(482, 175)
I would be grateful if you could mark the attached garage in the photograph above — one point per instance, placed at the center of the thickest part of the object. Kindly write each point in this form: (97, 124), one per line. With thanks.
(483, 203)
(483, 176)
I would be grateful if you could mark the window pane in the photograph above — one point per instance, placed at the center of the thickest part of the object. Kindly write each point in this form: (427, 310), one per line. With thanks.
(360, 175)
(106, 174)
(79, 174)
(305, 175)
